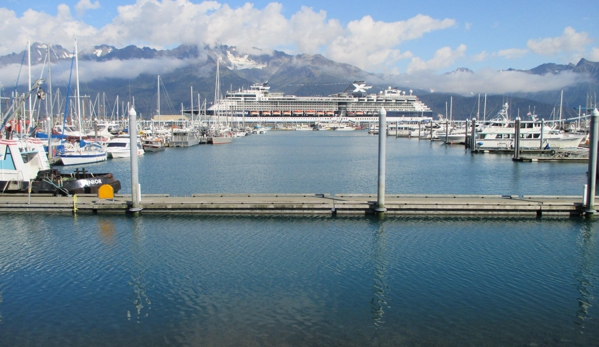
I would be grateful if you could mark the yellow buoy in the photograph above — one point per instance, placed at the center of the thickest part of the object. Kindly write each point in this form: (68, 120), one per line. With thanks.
(106, 192)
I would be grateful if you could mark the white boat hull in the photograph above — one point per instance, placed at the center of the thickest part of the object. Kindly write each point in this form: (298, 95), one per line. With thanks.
(221, 140)
(153, 148)
(572, 141)
(123, 154)
(454, 138)
(82, 158)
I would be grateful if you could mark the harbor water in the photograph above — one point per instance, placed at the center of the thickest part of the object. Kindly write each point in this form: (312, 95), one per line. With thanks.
(341, 163)
(188, 280)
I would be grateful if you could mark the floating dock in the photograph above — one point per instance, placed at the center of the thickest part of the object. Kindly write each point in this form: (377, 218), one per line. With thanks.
(302, 204)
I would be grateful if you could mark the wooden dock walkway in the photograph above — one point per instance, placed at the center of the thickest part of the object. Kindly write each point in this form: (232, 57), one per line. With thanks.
(302, 204)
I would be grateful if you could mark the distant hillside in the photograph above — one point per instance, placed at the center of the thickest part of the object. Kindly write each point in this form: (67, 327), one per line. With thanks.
(302, 75)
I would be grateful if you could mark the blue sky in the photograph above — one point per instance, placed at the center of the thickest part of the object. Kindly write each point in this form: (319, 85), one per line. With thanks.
(423, 38)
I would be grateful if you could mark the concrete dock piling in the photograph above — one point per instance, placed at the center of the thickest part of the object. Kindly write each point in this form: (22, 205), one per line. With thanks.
(592, 172)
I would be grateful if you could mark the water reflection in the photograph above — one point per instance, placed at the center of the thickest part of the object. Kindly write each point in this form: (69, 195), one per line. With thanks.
(107, 231)
(380, 288)
(584, 276)
(137, 271)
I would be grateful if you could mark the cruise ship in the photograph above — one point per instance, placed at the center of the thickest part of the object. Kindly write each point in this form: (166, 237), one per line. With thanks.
(355, 104)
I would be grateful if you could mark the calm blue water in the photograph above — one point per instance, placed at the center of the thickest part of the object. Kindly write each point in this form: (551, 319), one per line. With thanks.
(179, 280)
(341, 162)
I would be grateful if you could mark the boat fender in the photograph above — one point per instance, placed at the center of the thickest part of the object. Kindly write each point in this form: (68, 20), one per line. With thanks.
(552, 152)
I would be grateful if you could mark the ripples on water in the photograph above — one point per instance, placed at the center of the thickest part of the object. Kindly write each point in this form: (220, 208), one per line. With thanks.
(297, 281)
(305, 281)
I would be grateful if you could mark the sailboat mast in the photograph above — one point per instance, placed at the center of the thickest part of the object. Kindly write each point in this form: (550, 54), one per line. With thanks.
(199, 111)
(485, 109)
(77, 85)
(30, 95)
(158, 101)
(451, 109)
(561, 108)
(50, 120)
(478, 108)
(217, 92)
(50, 87)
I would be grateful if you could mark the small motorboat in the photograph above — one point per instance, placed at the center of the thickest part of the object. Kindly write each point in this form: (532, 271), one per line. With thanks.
(118, 147)
(154, 144)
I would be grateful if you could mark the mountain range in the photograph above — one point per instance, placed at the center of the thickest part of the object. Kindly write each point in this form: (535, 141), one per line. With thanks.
(303, 74)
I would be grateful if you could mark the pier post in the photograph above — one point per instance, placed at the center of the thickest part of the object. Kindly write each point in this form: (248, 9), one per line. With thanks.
(135, 188)
(517, 139)
(50, 147)
(542, 130)
(466, 141)
(592, 172)
(380, 208)
(96, 129)
(396, 129)
(431, 131)
(446, 130)
(473, 136)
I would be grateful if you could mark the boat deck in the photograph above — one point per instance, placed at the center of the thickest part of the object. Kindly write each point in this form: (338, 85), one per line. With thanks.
(303, 204)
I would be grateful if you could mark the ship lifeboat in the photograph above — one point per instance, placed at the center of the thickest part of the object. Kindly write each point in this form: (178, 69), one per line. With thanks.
(359, 113)
(286, 113)
(266, 113)
(330, 113)
(310, 113)
(298, 113)
(276, 113)
(350, 113)
(320, 113)
(254, 113)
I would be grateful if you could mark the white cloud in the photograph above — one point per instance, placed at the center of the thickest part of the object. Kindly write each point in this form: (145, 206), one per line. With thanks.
(370, 44)
(367, 43)
(84, 5)
(90, 71)
(311, 32)
(40, 27)
(512, 53)
(482, 56)
(569, 42)
(490, 81)
(443, 58)
(164, 24)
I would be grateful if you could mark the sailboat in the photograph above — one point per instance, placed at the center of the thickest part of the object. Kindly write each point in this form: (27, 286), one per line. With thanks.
(220, 135)
(24, 166)
(81, 152)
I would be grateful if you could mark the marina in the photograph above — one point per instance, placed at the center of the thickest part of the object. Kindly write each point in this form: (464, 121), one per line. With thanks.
(391, 174)
(260, 269)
